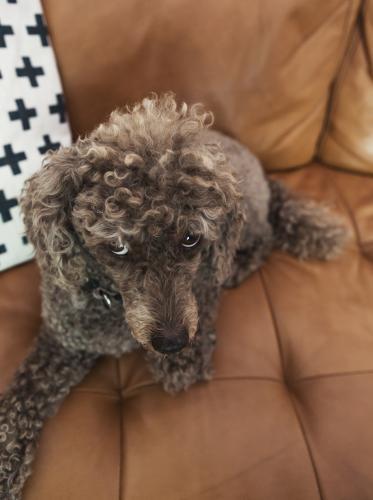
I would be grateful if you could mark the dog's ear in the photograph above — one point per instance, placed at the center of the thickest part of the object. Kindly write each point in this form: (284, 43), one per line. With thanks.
(46, 203)
(223, 251)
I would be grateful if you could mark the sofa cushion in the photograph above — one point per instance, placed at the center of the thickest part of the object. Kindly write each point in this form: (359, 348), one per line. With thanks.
(287, 414)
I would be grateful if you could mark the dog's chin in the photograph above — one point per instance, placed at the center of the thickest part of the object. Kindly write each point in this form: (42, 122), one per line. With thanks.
(150, 348)
(147, 346)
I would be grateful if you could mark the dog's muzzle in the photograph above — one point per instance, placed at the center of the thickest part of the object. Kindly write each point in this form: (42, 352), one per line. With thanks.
(170, 342)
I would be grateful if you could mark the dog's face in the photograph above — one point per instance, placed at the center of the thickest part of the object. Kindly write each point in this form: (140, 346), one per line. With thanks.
(150, 224)
(147, 228)
(152, 203)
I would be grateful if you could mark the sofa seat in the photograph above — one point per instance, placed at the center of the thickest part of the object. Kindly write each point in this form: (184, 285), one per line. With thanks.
(283, 418)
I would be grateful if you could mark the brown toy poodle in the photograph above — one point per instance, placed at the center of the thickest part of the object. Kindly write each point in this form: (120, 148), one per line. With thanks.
(137, 227)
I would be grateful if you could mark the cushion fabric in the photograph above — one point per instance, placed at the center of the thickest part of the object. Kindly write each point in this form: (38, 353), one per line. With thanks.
(32, 115)
(285, 416)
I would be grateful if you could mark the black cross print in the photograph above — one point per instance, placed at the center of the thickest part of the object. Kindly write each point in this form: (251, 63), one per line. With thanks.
(5, 29)
(24, 114)
(30, 71)
(39, 29)
(12, 159)
(5, 206)
(58, 108)
(2, 248)
(11, 1)
(48, 144)
(24, 240)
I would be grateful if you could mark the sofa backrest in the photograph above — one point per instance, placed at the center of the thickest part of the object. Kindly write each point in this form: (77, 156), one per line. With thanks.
(347, 139)
(290, 78)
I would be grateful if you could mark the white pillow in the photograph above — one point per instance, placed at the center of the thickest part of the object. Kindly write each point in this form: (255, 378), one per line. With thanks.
(32, 118)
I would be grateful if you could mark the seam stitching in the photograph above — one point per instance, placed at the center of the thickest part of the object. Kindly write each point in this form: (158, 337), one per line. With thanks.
(322, 376)
(364, 37)
(307, 444)
(275, 325)
(350, 214)
(281, 353)
(319, 163)
(121, 431)
(338, 78)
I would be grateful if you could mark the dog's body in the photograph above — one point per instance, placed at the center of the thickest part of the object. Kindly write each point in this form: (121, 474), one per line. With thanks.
(136, 229)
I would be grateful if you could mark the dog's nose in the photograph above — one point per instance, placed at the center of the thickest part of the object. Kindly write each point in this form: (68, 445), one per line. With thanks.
(167, 344)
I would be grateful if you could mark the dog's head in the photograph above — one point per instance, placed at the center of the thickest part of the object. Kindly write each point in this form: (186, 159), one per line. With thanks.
(149, 200)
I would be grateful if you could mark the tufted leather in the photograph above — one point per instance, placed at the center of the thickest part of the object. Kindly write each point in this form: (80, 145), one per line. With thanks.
(288, 413)
(287, 400)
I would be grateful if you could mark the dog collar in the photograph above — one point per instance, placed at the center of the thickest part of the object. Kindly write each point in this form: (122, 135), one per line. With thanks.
(100, 293)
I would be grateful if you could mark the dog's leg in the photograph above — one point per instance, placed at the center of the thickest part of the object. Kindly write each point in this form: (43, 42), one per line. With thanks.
(302, 227)
(38, 388)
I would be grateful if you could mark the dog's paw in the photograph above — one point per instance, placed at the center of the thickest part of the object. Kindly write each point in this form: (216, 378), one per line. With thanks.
(177, 372)
(177, 380)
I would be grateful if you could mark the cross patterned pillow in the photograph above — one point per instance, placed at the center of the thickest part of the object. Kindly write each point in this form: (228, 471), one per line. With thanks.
(32, 115)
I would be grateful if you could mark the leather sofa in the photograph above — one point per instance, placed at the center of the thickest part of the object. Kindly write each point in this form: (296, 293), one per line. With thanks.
(288, 414)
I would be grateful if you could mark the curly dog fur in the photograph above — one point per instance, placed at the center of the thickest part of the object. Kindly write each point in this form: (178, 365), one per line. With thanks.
(137, 228)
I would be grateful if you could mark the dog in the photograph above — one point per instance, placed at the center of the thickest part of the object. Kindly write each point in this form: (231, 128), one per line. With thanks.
(137, 228)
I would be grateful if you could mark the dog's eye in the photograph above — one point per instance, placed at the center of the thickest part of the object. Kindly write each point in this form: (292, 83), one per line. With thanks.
(119, 249)
(190, 240)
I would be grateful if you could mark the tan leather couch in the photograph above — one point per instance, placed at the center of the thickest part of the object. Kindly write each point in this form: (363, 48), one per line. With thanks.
(289, 413)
